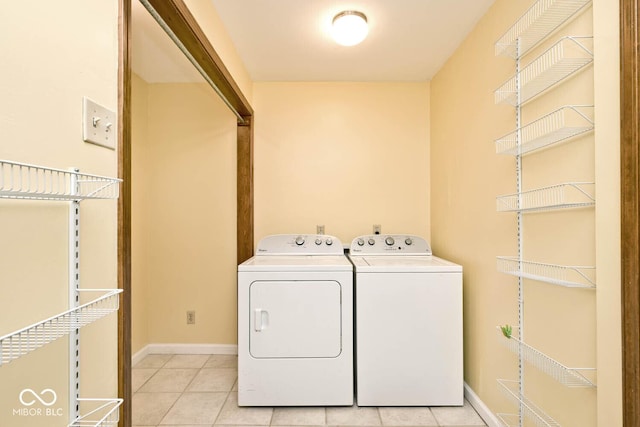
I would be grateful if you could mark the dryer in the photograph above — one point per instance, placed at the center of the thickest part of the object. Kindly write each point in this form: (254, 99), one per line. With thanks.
(295, 323)
(408, 323)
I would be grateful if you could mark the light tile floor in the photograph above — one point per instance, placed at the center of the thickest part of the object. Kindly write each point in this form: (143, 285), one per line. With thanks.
(201, 391)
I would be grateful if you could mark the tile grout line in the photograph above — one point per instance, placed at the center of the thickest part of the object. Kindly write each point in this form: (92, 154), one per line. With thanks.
(271, 417)
(326, 417)
(154, 374)
(193, 379)
(147, 380)
(379, 415)
(183, 391)
(226, 399)
(176, 401)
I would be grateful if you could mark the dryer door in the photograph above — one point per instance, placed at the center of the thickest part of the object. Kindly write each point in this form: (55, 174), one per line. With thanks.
(295, 319)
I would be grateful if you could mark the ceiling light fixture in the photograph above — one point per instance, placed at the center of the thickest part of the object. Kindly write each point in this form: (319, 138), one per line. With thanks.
(349, 27)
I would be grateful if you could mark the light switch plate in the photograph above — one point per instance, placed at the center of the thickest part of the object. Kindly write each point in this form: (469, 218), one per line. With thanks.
(98, 124)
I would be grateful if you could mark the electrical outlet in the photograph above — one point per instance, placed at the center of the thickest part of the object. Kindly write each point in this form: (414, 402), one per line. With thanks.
(319, 229)
(377, 228)
(191, 317)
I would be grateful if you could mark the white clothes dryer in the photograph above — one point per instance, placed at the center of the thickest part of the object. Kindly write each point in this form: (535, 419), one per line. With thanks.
(408, 323)
(295, 323)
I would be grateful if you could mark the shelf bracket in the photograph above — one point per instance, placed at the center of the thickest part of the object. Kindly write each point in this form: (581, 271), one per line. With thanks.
(74, 299)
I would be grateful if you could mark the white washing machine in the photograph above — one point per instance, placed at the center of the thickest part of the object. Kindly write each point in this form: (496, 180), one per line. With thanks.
(295, 323)
(408, 323)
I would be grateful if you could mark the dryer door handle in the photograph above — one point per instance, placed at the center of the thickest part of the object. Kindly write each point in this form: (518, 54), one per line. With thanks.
(260, 319)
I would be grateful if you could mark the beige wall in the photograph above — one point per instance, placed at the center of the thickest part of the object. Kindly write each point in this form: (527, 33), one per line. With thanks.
(53, 55)
(184, 237)
(343, 155)
(607, 168)
(141, 180)
(467, 175)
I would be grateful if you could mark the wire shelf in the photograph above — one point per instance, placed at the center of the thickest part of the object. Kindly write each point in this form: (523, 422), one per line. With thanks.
(103, 413)
(567, 195)
(562, 124)
(511, 390)
(24, 181)
(509, 420)
(538, 22)
(563, 275)
(569, 377)
(26, 340)
(566, 57)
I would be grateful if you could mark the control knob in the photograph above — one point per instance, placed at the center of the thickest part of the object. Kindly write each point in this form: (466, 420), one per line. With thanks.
(408, 241)
(318, 241)
(299, 240)
(360, 242)
(329, 241)
(371, 242)
(389, 241)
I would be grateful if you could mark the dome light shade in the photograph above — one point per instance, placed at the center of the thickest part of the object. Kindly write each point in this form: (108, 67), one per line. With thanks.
(349, 28)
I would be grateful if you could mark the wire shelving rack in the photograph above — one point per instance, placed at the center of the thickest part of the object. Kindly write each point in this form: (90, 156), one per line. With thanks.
(563, 59)
(101, 413)
(531, 410)
(25, 181)
(19, 343)
(30, 182)
(569, 377)
(567, 195)
(560, 125)
(538, 22)
(568, 56)
(562, 275)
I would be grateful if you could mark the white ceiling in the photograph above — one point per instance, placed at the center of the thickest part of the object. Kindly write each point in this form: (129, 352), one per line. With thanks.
(287, 40)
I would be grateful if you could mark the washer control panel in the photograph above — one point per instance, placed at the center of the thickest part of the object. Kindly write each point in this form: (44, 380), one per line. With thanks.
(300, 244)
(390, 244)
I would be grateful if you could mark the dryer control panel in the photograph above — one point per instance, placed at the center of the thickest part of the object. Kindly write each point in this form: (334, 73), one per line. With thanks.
(300, 244)
(390, 244)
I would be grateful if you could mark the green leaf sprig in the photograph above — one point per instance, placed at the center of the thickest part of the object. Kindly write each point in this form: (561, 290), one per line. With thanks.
(506, 330)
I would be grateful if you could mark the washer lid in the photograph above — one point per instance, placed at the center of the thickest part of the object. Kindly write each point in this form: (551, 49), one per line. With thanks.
(296, 263)
(403, 264)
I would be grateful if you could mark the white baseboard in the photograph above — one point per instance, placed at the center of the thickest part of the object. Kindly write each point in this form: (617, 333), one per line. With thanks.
(183, 349)
(483, 410)
(139, 355)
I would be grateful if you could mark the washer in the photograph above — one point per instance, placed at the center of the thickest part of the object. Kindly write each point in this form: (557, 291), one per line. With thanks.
(408, 323)
(295, 323)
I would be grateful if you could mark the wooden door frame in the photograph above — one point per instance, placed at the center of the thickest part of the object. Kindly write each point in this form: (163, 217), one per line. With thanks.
(630, 207)
(178, 18)
(124, 212)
